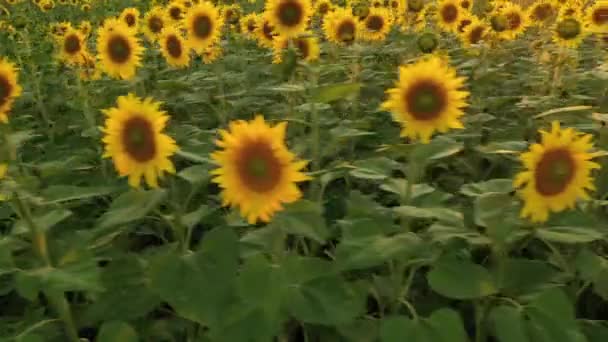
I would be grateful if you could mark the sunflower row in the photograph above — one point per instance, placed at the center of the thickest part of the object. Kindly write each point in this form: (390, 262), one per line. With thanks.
(258, 174)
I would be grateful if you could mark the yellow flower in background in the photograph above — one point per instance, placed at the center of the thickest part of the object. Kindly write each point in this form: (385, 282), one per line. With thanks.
(46, 5)
(3, 171)
(288, 17)
(475, 33)
(464, 21)
(597, 16)
(541, 12)
(249, 24)
(89, 71)
(341, 26)
(569, 31)
(85, 28)
(377, 24)
(557, 172)
(153, 23)
(466, 4)
(175, 12)
(9, 88)
(130, 16)
(204, 25)
(72, 47)
(516, 21)
(264, 32)
(134, 139)
(307, 48)
(231, 13)
(448, 13)
(119, 50)
(323, 7)
(256, 171)
(174, 47)
(427, 98)
(212, 53)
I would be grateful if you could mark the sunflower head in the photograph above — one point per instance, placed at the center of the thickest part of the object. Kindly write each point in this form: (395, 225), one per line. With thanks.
(448, 14)
(557, 172)
(72, 47)
(377, 24)
(249, 24)
(204, 24)
(323, 7)
(175, 12)
(427, 42)
(427, 98)
(231, 13)
(415, 6)
(569, 31)
(212, 53)
(9, 88)
(542, 12)
(153, 23)
(130, 16)
(341, 26)
(256, 171)
(134, 139)
(306, 47)
(264, 32)
(289, 17)
(174, 47)
(119, 50)
(85, 28)
(475, 33)
(597, 16)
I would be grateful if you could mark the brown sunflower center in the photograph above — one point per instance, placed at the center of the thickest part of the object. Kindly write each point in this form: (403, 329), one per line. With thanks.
(323, 8)
(119, 49)
(174, 46)
(513, 20)
(303, 47)
(290, 13)
(569, 28)
(138, 139)
(155, 24)
(175, 13)
(346, 31)
(258, 167)
(463, 24)
(251, 25)
(499, 23)
(542, 12)
(465, 4)
(374, 23)
(71, 44)
(5, 90)
(554, 172)
(449, 13)
(395, 4)
(202, 26)
(476, 34)
(600, 16)
(425, 100)
(130, 19)
(268, 31)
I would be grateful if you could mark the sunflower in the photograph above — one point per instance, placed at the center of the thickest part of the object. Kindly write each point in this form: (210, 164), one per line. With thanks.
(558, 172)
(306, 46)
(288, 17)
(85, 28)
(134, 139)
(130, 16)
(9, 88)
(174, 47)
(463, 22)
(212, 53)
(427, 98)
(231, 13)
(256, 171)
(569, 31)
(415, 6)
(175, 12)
(323, 7)
(474, 33)
(204, 25)
(597, 16)
(466, 4)
(72, 47)
(341, 26)
(542, 12)
(516, 21)
(85, 7)
(377, 24)
(89, 70)
(46, 5)
(427, 42)
(570, 8)
(154, 22)
(264, 32)
(249, 24)
(3, 171)
(119, 50)
(448, 13)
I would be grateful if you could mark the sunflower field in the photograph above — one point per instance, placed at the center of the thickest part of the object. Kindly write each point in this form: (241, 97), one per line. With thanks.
(304, 170)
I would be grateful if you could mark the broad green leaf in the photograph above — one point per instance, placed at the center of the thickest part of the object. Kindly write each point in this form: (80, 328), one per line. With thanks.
(569, 235)
(523, 276)
(508, 324)
(64, 193)
(460, 279)
(562, 110)
(447, 325)
(116, 331)
(495, 185)
(371, 251)
(195, 174)
(43, 222)
(131, 206)
(437, 149)
(398, 329)
(335, 92)
(303, 218)
(442, 214)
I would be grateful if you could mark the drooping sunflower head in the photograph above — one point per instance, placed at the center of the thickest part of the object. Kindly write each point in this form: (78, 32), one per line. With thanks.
(130, 16)
(448, 13)
(174, 47)
(134, 139)
(264, 32)
(427, 98)
(597, 16)
(342, 27)
(256, 171)
(175, 12)
(72, 47)
(9, 88)
(306, 47)
(119, 50)
(249, 24)
(542, 12)
(557, 172)
(204, 25)
(569, 31)
(153, 23)
(288, 17)
(377, 24)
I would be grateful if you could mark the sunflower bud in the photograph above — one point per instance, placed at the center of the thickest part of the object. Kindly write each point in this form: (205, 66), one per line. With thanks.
(427, 42)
